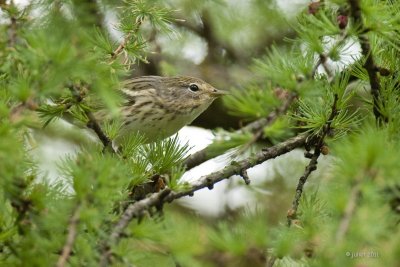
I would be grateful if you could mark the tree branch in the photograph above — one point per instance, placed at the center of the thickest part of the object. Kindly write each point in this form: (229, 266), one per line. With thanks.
(95, 126)
(125, 42)
(121, 47)
(369, 64)
(10, 9)
(13, 30)
(207, 33)
(133, 211)
(158, 199)
(349, 211)
(355, 195)
(213, 41)
(72, 232)
(236, 167)
(323, 60)
(16, 111)
(312, 166)
(92, 122)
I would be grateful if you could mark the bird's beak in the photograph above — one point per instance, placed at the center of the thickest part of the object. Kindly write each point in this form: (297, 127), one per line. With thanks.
(217, 93)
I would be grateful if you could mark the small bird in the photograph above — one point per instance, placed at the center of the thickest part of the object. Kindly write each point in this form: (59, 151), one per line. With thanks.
(158, 107)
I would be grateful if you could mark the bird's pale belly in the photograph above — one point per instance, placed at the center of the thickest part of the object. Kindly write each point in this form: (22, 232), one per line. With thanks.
(158, 127)
(154, 129)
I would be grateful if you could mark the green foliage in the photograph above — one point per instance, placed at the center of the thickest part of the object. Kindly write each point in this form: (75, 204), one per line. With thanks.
(372, 171)
(59, 61)
(251, 103)
(226, 140)
(382, 20)
(311, 28)
(278, 130)
(235, 238)
(133, 15)
(313, 113)
(131, 144)
(165, 154)
(285, 69)
(174, 177)
(144, 10)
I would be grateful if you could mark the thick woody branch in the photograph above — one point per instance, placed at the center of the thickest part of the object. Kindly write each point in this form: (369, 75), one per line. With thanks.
(369, 64)
(237, 166)
(136, 209)
(72, 232)
(255, 127)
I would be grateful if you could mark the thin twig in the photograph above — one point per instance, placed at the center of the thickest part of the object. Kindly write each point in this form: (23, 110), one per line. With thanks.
(133, 211)
(349, 211)
(13, 21)
(270, 261)
(271, 118)
(17, 110)
(206, 32)
(245, 176)
(125, 42)
(355, 195)
(318, 140)
(369, 64)
(95, 126)
(121, 47)
(324, 62)
(166, 196)
(92, 122)
(214, 43)
(312, 166)
(72, 232)
(13, 27)
(323, 58)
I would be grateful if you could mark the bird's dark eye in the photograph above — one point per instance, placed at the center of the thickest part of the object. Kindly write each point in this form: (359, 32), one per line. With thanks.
(193, 87)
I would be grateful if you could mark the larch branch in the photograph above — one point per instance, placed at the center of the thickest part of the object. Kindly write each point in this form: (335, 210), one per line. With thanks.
(312, 166)
(71, 236)
(136, 209)
(369, 64)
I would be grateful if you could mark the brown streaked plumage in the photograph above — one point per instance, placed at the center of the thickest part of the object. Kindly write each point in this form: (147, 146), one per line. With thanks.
(158, 106)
